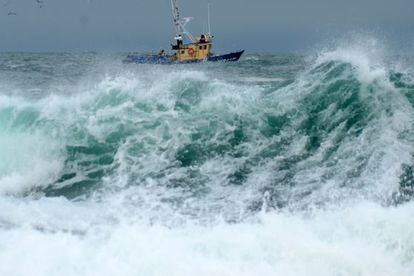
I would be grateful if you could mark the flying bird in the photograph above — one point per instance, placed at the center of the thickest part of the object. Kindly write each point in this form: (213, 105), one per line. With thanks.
(5, 4)
(40, 3)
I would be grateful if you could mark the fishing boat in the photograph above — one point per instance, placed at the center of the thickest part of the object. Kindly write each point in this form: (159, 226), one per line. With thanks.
(187, 48)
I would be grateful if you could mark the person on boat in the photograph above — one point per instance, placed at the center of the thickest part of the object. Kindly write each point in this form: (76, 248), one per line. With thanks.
(174, 57)
(178, 46)
(161, 53)
(203, 39)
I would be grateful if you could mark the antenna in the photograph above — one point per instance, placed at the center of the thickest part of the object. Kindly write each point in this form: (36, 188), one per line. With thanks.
(208, 20)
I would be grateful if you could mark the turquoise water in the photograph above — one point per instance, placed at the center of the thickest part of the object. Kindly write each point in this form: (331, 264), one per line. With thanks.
(274, 165)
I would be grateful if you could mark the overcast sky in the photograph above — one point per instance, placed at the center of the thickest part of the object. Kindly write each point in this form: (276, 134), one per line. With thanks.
(254, 25)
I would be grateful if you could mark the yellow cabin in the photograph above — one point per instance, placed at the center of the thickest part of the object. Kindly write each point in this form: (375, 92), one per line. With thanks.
(198, 50)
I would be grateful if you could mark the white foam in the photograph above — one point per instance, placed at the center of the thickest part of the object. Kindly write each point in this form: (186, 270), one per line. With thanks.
(261, 79)
(28, 161)
(366, 54)
(139, 223)
(332, 242)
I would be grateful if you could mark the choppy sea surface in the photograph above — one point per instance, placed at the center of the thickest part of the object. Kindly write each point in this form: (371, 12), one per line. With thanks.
(273, 165)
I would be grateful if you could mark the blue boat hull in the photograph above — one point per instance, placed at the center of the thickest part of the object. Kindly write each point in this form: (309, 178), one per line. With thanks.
(156, 59)
(228, 57)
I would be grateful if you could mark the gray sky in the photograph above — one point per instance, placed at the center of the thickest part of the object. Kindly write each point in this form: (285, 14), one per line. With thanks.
(254, 25)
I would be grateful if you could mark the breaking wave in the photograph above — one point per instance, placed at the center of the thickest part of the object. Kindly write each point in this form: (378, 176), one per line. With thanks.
(274, 165)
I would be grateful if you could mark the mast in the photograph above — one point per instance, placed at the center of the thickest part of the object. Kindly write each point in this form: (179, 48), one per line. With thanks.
(179, 24)
(176, 18)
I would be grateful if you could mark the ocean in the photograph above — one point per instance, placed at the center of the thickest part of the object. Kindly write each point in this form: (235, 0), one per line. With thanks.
(274, 165)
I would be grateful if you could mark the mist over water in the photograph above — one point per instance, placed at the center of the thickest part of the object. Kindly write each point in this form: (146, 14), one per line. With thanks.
(274, 165)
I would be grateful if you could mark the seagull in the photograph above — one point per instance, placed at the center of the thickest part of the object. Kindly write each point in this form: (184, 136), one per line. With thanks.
(41, 3)
(5, 4)
(11, 14)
